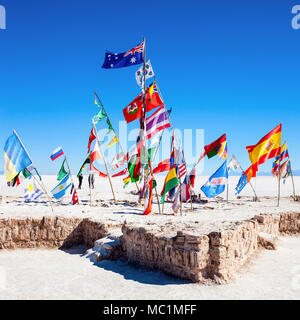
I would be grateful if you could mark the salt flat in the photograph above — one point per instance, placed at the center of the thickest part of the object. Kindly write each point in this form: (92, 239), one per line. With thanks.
(208, 217)
(70, 274)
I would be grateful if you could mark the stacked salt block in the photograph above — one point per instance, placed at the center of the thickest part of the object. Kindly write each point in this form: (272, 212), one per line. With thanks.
(50, 232)
(200, 258)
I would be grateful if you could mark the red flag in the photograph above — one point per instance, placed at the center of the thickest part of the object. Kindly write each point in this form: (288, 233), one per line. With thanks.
(121, 173)
(95, 155)
(162, 166)
(91, 139)
(75, 197)
(134, 110)
(148, 201)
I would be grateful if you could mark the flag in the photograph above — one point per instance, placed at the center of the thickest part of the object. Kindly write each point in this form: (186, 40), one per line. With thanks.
(283, 167)
(113, 141)
(148, 196)
(216, 183)
(23, 175)
(32, 192)
(192, 176)
(121, 173)
(283, 154)
(288, 171)
(56, 153)
(15, 157)
(110, 128)
(139, 75)
(267, 147)
(60, 190)
(134, 110)
(241, 184)
(86, 161)
(75, 197)
(171, 182)
(134, 167)
(218, 147)
(124, 59)
(91, 139)
(95, 155)
(62, 172)
(245, 178)
(158, 121)
(99, 116)
(162, 166)
(126, 181)
(233, 164)
(181, 170)
(118, 161)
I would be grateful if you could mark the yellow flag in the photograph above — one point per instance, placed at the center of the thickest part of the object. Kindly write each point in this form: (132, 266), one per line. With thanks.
(113, 141)
(151, 90)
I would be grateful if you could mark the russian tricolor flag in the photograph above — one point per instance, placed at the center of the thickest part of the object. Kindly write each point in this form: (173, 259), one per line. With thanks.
(56, 153)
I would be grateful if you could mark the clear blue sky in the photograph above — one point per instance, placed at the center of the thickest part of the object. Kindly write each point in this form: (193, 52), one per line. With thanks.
(224, 66)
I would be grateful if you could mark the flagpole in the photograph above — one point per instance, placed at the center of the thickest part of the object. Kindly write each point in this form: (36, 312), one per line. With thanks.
(227, 191)
(113, 130)
(39, 182)
(90, 182)
(70, 174)
(144, 107)
(188, 178)
(279, 177)
(108, 175)
(255, 195)
(292, 176)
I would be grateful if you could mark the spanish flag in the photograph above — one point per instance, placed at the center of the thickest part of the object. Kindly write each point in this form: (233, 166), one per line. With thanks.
(15, 156)
(268, 147)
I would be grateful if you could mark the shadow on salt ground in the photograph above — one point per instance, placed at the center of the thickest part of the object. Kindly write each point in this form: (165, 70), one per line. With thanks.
(139, 274)
(128, 271)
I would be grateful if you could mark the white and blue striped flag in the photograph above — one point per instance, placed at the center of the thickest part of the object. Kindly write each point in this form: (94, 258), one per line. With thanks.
(60, 190)
(32, 192)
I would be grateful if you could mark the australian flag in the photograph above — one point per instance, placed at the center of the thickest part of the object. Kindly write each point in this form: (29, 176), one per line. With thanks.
(125, 59)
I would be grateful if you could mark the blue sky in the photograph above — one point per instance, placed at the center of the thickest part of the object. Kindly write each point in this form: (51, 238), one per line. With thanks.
(224, 66)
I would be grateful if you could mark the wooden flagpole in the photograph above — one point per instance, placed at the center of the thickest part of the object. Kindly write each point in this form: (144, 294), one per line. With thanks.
(70, 175)
(121, 149)
(255, 196)
(102, 154)
(39, 182)
(89, 181)
(292, 177)
(188, 178)
(279, 178)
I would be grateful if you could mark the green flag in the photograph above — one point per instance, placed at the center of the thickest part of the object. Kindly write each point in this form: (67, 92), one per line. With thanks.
(86, 161)
(62, 172)
(110, 128)
(134, 167)
(99, 116)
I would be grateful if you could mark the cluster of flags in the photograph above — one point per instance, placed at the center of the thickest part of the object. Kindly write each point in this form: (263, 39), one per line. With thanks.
(179, 182)
(64, 178)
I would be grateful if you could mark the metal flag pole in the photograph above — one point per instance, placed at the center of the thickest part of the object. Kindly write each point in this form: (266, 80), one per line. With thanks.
(41, 183)
(102, 154)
